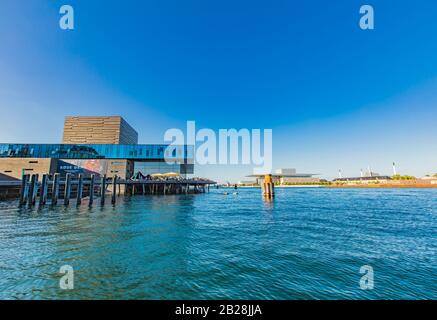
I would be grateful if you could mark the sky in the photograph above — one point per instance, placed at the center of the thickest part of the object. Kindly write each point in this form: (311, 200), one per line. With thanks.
(335, 96)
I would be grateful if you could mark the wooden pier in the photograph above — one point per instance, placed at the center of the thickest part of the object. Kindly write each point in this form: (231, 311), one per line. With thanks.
(51, 188)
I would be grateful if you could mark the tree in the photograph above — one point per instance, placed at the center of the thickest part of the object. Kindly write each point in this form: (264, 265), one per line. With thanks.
(399, 177)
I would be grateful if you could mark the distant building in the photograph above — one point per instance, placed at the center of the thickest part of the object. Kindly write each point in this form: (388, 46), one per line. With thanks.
(368, 179)
(247, 182)
(289, 176)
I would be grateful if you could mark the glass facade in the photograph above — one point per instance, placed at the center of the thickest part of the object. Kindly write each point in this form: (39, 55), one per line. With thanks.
(147, 168)
(97, 151)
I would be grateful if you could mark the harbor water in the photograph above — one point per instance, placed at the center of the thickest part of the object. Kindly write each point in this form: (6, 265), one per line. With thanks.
(307, 243)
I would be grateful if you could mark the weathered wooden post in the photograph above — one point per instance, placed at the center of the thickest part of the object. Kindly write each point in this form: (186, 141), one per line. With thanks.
(103, 190)
(67, 191)
(33, 189)
(46, 188)
(55, 189)
(79, 190)
(43, 192)
(92, 190)
(31, 186)
(24, 189)
(114, 189)
(268, 186)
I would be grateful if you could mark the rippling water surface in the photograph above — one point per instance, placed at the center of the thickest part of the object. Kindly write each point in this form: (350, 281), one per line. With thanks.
(306, 244)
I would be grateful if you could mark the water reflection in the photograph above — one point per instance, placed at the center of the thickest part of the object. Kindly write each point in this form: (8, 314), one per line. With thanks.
(269, 201)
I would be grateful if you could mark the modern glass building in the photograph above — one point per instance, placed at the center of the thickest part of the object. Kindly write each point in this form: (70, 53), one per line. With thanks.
(123, 160)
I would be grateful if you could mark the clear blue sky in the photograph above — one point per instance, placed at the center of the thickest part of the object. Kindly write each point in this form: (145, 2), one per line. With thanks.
(334, 95)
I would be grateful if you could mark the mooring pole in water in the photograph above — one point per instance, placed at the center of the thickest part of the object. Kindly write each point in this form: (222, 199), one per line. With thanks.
(55, 189)
(79, 190)
(46, 188)
(114, 189)
(24, 189)
(92, 190)
(268, 186)
(43, 192)
(31, 186)
(67, 191)
(103, 190)
(33, 189)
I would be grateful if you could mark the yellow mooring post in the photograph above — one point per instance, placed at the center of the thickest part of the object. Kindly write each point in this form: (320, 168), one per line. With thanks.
(268, 186)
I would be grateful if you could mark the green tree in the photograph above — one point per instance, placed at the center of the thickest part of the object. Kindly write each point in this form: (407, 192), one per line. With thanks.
(399, 177)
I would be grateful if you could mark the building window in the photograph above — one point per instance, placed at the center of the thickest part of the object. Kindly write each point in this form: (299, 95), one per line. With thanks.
(33, 161)
(8, 171)
(28, 169)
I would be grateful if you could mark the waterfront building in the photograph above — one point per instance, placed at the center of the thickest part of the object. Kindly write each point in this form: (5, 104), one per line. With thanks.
(95, 145)
(247, 182)
(289, 176)
(364, 179)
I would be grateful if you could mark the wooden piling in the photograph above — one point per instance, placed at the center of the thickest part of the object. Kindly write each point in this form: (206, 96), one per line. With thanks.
(55, 189)
(24, 189)
(92, 182)
(33, 189)
(67, 191)
(43, 192)
(114, 189)
(79, 190)
(268, 186)
(46, 188)
(103, 190)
